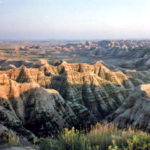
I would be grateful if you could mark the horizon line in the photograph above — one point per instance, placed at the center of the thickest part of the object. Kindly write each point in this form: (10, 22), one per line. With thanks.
(48, 40)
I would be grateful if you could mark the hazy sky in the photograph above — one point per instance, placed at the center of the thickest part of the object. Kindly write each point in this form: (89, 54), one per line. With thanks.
(74, 19)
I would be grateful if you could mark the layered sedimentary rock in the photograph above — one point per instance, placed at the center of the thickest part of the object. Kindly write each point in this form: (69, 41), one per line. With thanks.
(92, 86)
(41, 101)
(135, 110)
(29, 106)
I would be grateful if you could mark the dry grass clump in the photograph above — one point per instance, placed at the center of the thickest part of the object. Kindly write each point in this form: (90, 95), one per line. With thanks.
(9, 139)
(101, 137)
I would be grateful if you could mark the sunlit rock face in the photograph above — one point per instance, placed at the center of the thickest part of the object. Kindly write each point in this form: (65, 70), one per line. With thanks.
(41, 101)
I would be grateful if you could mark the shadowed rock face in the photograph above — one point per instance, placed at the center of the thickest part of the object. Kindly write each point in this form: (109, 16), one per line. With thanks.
(135, 109)
(44, 100)
(29, 106)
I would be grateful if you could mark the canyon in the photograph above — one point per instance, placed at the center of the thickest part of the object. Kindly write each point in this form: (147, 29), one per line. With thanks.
(40, 101)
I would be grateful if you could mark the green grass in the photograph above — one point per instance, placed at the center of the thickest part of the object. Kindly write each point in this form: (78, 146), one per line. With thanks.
(101, 137)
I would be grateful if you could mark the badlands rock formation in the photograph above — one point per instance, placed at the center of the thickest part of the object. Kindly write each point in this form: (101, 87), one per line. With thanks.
(41, 101)
(135, 109)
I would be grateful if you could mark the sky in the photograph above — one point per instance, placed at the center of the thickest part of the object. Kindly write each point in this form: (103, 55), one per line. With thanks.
(74, 19)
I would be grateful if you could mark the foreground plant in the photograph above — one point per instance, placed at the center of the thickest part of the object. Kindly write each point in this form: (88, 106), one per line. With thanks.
(101, 137)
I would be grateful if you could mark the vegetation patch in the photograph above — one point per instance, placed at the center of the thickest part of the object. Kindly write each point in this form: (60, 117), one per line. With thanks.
(100, 137)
